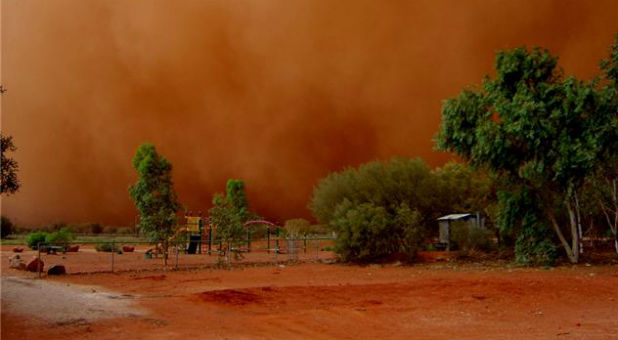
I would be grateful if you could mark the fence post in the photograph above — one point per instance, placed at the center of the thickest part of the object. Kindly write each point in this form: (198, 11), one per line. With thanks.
(113, 251)
(209, 239)
(177, 251)
(277, 242)
(268, 239)
(38, 247)
(200, 226)
(248, 240)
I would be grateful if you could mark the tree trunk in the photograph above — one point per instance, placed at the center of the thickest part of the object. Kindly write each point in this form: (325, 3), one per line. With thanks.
(165, 249)
(613, 225)
(572, 251)
(579, 223)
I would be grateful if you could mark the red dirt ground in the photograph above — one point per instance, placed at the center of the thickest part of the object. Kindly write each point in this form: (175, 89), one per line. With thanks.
(436, 301)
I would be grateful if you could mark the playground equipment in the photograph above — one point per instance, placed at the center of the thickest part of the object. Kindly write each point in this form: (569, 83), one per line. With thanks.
(199, 233)
(193, 228)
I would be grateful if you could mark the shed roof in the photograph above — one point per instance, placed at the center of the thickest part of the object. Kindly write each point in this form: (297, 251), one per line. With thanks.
(454, 217)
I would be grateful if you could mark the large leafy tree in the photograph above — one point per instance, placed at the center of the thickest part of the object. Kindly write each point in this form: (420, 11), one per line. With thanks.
(154, 196)
(540, 133)
(10, 184)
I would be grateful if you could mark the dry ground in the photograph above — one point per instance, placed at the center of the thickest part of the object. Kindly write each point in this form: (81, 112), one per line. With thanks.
(333, 301)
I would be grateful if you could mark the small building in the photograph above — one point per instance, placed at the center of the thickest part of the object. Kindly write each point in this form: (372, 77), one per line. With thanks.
(474, 221)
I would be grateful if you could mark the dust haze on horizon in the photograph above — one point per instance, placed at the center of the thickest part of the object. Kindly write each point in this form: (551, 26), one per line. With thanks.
(277, 93)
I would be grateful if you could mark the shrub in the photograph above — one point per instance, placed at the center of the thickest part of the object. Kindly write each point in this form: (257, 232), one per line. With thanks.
(35, 238)
(368, 232)
(383, 184)
(106, 247)
(6, 227)
(60, 237)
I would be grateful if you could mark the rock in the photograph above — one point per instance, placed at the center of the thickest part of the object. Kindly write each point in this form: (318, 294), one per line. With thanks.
(35, 264)
(16, 262)
(56, 269)
(73, 249)
(128, 249)
(18, 249)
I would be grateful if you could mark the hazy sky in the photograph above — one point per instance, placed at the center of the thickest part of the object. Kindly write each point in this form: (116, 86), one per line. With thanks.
(278, 93)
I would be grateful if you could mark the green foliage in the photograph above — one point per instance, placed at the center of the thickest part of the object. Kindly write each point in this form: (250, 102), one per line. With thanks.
(388, 207)
(107, 247)
(534, 244)
(236, 198)
(60, 237)
(460, 188)
(367, 232)
(532, 128)
(9, 184)
(6, 227)
(154, 196)
(227, 220)
(230, 212)
(384, 184)
(36, 238)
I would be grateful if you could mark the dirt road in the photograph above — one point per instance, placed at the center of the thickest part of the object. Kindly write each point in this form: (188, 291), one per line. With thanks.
(337, 301)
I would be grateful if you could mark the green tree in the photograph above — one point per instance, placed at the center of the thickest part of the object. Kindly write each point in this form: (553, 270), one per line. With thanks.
(154, 197)
(228, 222)
(539, 132)
(10, 184)
(236, 198)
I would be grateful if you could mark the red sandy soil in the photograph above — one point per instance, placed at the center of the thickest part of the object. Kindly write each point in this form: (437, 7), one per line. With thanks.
(430, 301)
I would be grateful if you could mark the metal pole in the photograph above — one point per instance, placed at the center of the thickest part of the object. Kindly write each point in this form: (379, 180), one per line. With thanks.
(39, 264)
(113, 251)
(209, 239)
(317, 249)
(277, 241)
(177, 251)
(200, 242)
(248, 240)
(268, 239)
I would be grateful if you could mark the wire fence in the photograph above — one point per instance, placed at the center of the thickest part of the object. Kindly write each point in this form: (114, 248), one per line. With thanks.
(121, 256)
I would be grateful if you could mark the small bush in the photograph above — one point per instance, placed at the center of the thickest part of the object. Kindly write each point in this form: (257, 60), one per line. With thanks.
(366, 232)
(61, 237)
(36, 238)
(106, 247)
(6, 227)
